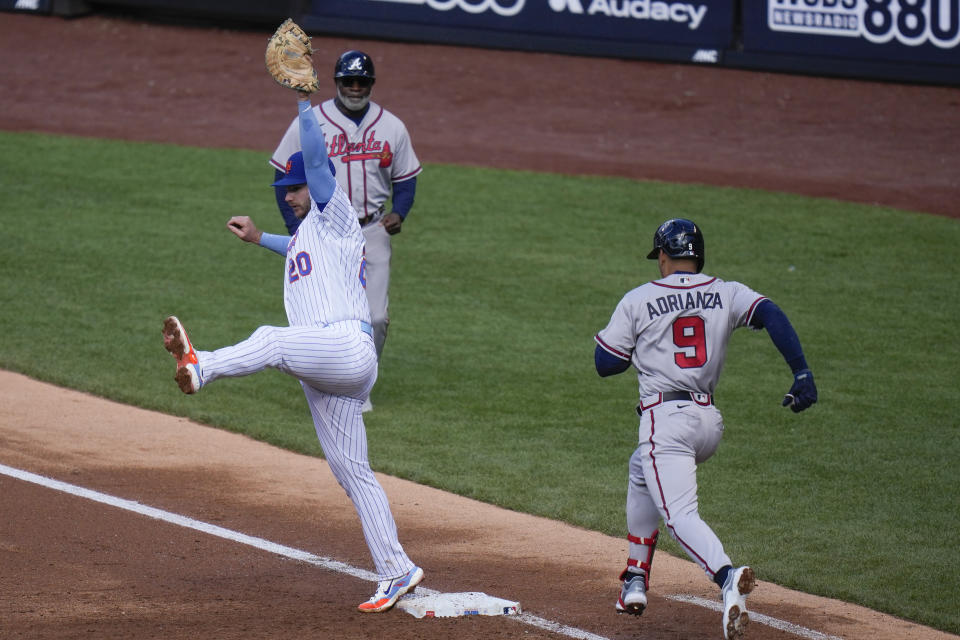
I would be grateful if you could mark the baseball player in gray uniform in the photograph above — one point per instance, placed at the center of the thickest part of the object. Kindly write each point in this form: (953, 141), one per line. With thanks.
(328, 345)
(374, 161)
(675, 331)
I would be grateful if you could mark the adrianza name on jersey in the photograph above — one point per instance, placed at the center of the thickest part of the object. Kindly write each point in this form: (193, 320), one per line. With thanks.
(684, 302)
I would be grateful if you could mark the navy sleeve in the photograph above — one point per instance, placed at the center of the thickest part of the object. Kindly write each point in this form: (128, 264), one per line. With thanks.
(769, 316)
(608, 364)
(403, 193)
(289, 218)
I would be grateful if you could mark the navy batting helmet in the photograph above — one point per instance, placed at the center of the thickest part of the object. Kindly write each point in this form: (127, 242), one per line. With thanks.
(679, 238)
(354, 64)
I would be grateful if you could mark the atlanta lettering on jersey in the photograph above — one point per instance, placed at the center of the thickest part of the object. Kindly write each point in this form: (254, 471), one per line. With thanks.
(684, 302)
(367, 149)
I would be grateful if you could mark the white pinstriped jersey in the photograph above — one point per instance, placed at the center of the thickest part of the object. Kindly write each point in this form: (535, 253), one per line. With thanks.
(675, 330)
(369, 157)
(323, 281)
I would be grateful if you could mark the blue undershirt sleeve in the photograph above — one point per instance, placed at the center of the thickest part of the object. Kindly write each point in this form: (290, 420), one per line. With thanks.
(276, 243)
(769, 316)
(608, 364)
(315, 161)
(403, 193)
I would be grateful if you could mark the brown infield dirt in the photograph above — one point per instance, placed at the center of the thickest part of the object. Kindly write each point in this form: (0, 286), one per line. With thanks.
(72, 568)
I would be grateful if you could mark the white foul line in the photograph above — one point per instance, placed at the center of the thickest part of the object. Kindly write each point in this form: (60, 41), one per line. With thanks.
(342, 567)
(190, 523)
(782, 625)
(556, 627)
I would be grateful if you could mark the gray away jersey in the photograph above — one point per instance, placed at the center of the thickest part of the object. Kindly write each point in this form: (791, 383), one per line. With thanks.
(369, 157)
(675, 330)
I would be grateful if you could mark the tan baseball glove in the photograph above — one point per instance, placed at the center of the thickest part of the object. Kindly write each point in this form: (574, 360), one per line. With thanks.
(289, 59)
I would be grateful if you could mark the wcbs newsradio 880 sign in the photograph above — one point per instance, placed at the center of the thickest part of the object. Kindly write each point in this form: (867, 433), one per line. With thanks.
(898, 30)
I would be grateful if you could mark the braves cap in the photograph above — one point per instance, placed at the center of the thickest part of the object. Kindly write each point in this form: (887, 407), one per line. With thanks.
(294, 173)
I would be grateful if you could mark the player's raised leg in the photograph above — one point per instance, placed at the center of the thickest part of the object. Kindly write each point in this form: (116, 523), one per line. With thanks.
(292, 350)
(175, 341)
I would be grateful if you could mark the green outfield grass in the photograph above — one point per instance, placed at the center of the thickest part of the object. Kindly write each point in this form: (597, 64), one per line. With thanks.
(487, 386)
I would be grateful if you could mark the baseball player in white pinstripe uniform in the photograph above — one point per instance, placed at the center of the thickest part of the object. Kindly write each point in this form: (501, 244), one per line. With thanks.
(375, 162)
(328, 344)
(674, 331)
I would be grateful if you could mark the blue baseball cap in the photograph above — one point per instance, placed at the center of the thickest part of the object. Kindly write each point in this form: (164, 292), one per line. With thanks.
(294, 173)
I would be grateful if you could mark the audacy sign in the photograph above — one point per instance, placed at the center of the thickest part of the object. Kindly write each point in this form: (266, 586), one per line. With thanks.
(680, 12)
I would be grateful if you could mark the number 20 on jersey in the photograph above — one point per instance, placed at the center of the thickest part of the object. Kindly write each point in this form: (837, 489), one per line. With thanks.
(299, 266)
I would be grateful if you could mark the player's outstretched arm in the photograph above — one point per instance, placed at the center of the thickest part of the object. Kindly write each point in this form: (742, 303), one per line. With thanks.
(803, 392)
(315, 162)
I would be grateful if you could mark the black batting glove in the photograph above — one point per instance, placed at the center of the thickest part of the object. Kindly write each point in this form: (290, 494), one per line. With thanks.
(803, 393)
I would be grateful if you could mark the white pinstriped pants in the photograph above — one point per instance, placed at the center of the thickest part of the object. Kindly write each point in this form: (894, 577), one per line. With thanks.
(337, 367)
(674, 438)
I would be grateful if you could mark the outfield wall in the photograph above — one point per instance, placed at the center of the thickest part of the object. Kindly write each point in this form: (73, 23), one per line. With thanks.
(899, 40)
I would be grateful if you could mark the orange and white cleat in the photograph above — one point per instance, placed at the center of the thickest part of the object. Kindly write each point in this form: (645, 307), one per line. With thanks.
(389, 591)
(175, 341)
